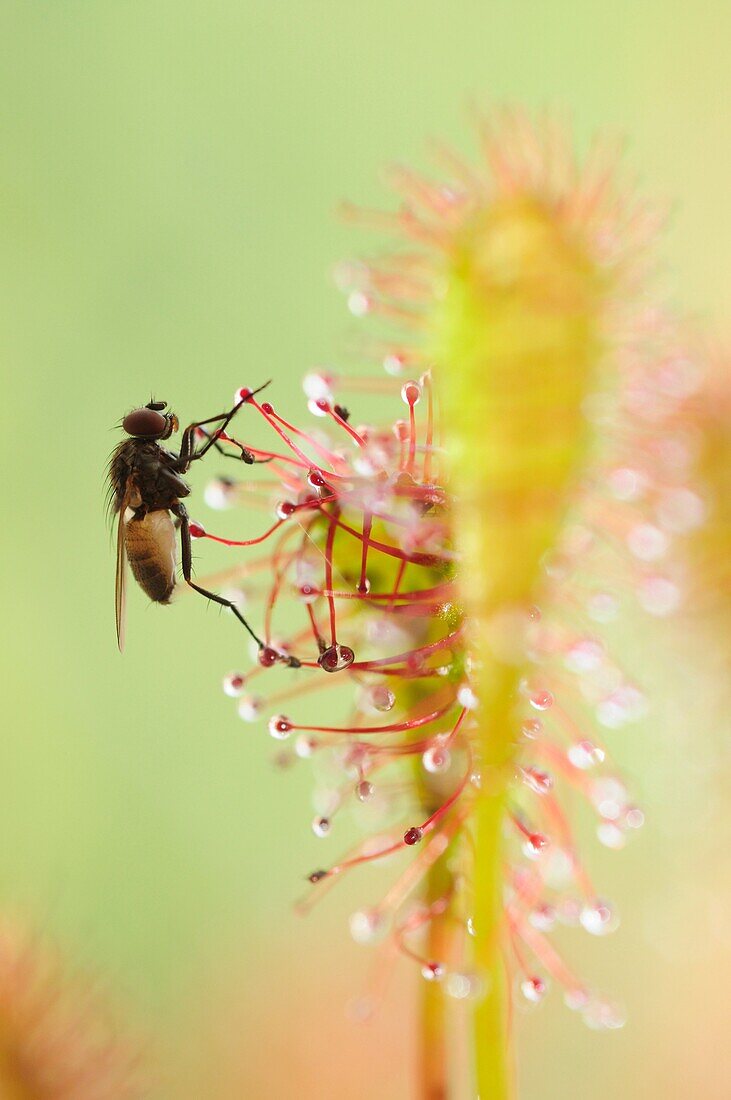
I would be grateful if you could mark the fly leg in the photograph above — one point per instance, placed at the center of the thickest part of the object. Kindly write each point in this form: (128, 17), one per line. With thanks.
(188, 452)
(179, 510)
(245, 455)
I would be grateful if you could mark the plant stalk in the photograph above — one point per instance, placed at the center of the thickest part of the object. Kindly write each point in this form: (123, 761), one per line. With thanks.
(434, 1047)
(493, 1071)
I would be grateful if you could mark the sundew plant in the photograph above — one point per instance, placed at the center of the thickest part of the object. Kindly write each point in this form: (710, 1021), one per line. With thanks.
(58, 1037)
(456, 560)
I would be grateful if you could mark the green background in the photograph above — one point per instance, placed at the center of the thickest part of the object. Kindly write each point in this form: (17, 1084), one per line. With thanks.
(168, 177)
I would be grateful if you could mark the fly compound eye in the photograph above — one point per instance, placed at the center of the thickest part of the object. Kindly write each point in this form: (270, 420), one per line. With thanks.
(145, 422)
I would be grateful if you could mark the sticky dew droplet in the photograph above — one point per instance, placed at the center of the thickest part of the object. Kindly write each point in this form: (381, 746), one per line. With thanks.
(585, 755)
(466, 697)
(658, 596)
(280, 727)
(534, 989)
(647, 542)
(378, 698)
(534, 845)
(394, 365)
(531, 728)
(538, 781)
(436, 759)
(626, 484)
(541, 700)
(219, 494)
(318, 406)
(411, 393)
(367, 926)
(600, 1014)
(336, 658)
(250, 708)
(305, 745)
(576, 998)
(611, 835)
(603, 607)
(233, 684)
(308, 593)
(598, 918)
(267, 656)
(359, 304)
(321, 826)
(364, 790)
(543, 917)
(584, 655)
(317, 385)
(634, 817)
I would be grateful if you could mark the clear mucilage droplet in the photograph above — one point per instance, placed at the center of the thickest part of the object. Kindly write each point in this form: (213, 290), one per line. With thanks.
(541, 700)
(364, 791)
(411, 393)
(233, 684)
(219, 494)
(531, 728)
(336, 657)
(534, 845)
(367, 926)
(250, 707)
(321, 826)
(436, 759)
(280, 727)
(432, 972)
(377, 698)
(585, 755)
(543, 917)
(600, 1014)
(538, 781)
(534, 989)
(599, 918)
(305, 745)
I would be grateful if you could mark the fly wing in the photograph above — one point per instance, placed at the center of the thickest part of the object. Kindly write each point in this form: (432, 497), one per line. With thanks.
(120, 584)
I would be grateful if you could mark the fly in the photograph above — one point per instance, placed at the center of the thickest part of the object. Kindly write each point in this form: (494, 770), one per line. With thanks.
(147, 488)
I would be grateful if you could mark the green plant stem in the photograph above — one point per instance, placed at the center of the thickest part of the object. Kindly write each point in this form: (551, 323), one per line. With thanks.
(493, 1070)
(492, 1047)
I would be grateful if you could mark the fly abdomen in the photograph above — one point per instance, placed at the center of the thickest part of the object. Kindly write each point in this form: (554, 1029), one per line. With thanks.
(150, 545)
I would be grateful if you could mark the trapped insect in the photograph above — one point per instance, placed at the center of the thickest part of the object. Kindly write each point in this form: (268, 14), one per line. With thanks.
(146, 487)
